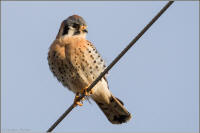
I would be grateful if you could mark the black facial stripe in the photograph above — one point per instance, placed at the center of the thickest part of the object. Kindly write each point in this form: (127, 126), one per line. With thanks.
(76, 26)
(77, 32)
(76, 29)
(65, 30)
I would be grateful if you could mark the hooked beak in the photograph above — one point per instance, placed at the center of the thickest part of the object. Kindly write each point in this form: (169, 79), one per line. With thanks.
(84, 28)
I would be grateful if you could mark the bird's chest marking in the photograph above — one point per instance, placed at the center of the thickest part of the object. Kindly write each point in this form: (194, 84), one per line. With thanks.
(75, 65)
(89, 61)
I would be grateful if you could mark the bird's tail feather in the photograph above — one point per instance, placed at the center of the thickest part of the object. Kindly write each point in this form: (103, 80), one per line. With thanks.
(115, 111)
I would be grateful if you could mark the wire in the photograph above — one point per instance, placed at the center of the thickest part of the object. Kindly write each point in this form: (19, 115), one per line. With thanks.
(112, 64)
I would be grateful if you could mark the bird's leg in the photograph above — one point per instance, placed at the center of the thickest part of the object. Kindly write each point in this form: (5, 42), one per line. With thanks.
(76, 101)
(85, 92)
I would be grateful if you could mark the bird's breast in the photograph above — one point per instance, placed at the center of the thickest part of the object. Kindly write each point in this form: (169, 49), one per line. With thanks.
(75, 62)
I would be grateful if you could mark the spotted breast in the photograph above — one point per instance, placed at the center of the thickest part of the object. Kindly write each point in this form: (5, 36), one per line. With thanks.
(75, 62)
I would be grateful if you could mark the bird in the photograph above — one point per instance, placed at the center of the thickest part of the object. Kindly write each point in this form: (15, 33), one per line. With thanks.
(76, 63)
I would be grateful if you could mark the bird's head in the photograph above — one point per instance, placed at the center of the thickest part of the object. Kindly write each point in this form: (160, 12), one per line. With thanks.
(73, 26)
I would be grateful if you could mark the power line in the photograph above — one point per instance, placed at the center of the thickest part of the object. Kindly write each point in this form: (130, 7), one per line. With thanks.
(112, 64)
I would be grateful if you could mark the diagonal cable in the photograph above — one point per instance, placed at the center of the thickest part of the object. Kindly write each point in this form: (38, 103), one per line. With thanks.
(112, 63)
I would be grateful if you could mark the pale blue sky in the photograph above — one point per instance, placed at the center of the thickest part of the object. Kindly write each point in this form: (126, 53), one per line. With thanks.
(157, 79)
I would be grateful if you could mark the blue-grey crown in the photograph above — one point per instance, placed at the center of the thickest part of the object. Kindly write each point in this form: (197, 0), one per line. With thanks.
(75, 19)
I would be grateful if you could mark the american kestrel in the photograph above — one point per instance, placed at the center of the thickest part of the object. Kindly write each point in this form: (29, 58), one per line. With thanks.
(75, 62)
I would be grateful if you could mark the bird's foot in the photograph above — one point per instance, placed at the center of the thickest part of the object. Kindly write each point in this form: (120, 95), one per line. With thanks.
(85, 92)
(77, 101)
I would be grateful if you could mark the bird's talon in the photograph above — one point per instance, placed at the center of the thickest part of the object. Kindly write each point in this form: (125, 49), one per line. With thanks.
(85, 92)
(76, 101)
(79, 103)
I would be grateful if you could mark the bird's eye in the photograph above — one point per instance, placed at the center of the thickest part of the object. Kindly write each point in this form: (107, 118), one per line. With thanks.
(76, 26)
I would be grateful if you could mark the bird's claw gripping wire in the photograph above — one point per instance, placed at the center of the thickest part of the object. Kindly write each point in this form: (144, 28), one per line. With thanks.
(84, 91)
(77, 101)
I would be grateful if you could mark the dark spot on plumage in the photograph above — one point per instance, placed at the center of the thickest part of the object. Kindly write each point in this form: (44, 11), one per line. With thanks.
(90, 67)
(104, 65)
(60, 70)
(96, 67)
(89, 51)
(81, 52)
(66, 67)
(54, 53)
(86, 62)
(92, 56)
(70, 65)
(95, 61)
(101, 60)
(91, 72)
